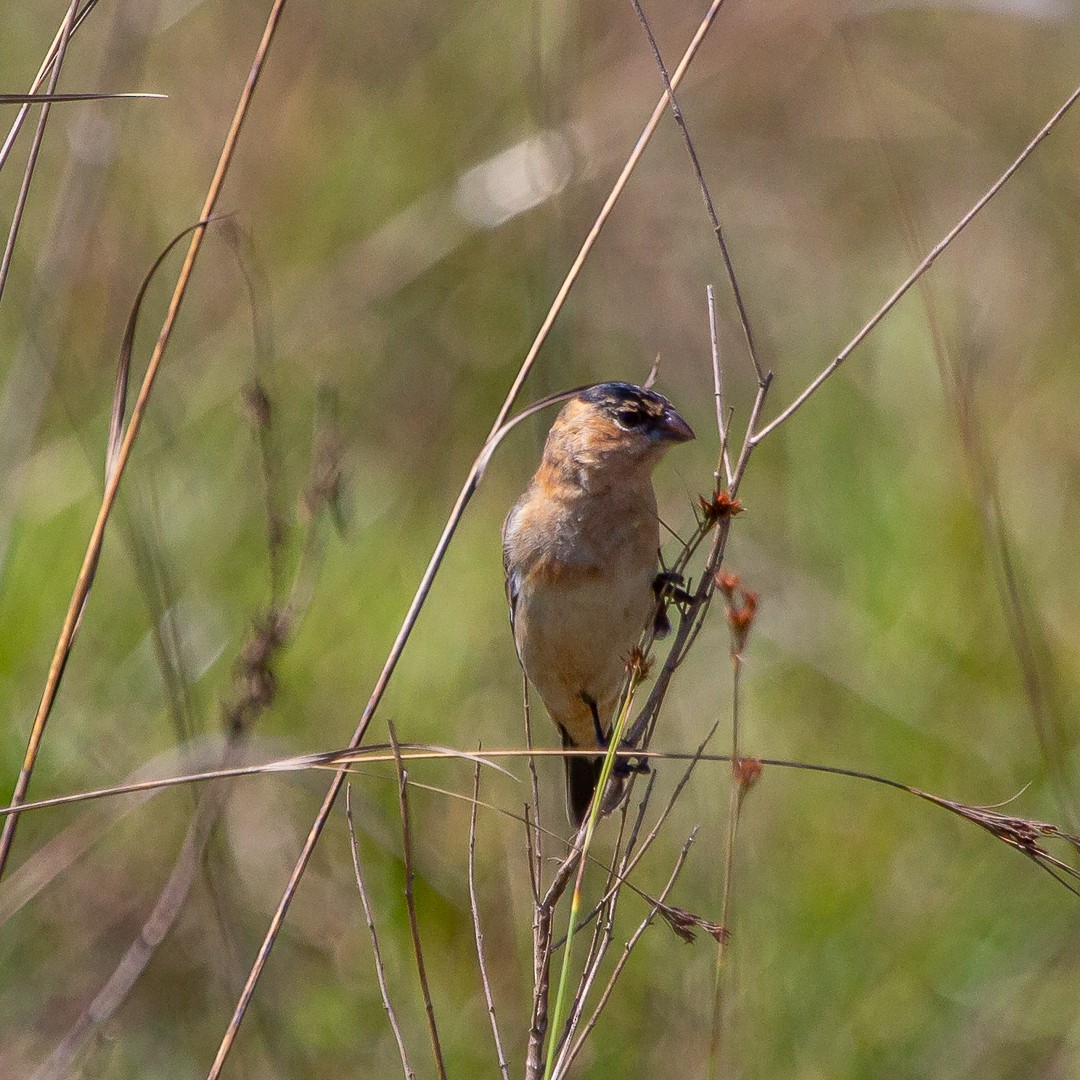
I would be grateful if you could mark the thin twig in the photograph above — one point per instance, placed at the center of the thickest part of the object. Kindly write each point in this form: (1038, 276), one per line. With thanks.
(729, 268)
(1025, 636)
(734, 806)
(334, 759)
(586, 834)
(479, 934)
(647, 843)
(410, 905)
(542, 949)
(145, 944)
(251, 695)
(97, 536)
(43, 70)
(536, 843)
(37, 99)
(927, 262)
(692, 619)
(628, 948)
(718, 391)
(35, 147)
(380, 971)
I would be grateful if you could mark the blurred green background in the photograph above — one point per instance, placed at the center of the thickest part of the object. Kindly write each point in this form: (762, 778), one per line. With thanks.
(413, 182)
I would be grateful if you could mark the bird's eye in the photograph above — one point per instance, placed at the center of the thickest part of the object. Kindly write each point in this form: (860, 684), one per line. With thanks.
(630, 418)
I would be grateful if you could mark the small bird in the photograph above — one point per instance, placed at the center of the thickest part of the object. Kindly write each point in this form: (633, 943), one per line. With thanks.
(580, 551)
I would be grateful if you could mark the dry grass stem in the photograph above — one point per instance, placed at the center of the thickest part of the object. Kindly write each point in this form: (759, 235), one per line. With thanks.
(628, 948)
(410, 905)
(757, 435)
(718, 232)
(477, 931)
(93, 550)
(35, 149)
(450, 528)
(46, 66)
(718, 392)
(535, 841)
(380, 971)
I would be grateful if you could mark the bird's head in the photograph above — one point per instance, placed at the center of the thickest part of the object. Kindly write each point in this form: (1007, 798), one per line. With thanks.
(617, 425)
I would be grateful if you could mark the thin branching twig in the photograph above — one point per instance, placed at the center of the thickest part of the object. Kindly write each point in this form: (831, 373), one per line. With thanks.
(380, 971)
(35, 146)
(757, 435)
(410, 905)
(718, 232)
(628, 948)
(46, 66)
(741, 609)
(478, 933)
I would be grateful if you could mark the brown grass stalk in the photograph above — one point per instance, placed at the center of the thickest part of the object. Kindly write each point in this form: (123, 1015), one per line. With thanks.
(931, 257)
(46, 66)
(35, 146)
(410, 905)
(369, 918)
(97, 536)
(478, 933)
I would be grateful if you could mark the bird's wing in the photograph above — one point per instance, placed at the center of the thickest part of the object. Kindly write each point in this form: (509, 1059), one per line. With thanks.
(512, 581)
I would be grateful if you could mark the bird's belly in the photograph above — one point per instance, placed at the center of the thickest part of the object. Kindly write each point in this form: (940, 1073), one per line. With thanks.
(579, 635)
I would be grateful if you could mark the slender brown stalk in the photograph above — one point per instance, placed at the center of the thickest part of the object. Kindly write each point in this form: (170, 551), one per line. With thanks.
(718, 392)
(97, 536)
(250, 696)
(536, 845)
(142, 949)
(35, 147)
(380, 971)
(906, 284)
(410, 905)
(1024, 631)
(729, 268)
(478, 932)
(46, 66)
(542, 949)
(38, 99)
(628, 948)
(734, 806)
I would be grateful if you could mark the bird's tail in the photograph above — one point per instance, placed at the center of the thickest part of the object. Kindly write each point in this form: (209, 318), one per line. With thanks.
(581, 776)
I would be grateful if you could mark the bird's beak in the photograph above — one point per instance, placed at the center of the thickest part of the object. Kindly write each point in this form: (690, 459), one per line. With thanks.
(674, 428)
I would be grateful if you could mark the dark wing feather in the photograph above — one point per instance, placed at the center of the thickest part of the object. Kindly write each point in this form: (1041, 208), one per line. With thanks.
(512, 582)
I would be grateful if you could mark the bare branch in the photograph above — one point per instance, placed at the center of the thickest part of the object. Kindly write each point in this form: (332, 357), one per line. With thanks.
(474, 908)
(35, 146)
(927, 262)
(380, 971)
(728, 266)
(410, 905)
(627, 950)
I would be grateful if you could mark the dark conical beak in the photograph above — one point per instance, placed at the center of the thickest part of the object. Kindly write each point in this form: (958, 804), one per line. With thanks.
(674, 428)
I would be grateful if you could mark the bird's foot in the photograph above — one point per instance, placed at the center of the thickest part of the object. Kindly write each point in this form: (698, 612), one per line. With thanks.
(668, 588)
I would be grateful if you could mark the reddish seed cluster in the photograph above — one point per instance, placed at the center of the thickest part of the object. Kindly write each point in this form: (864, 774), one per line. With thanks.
(638, 664)
(720, 506)
(741, 604)
(747, 772)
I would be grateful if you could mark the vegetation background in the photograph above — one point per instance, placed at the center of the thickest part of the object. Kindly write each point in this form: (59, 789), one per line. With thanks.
(912, 531)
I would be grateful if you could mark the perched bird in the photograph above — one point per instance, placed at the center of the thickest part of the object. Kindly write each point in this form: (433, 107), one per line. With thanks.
(580, 551)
